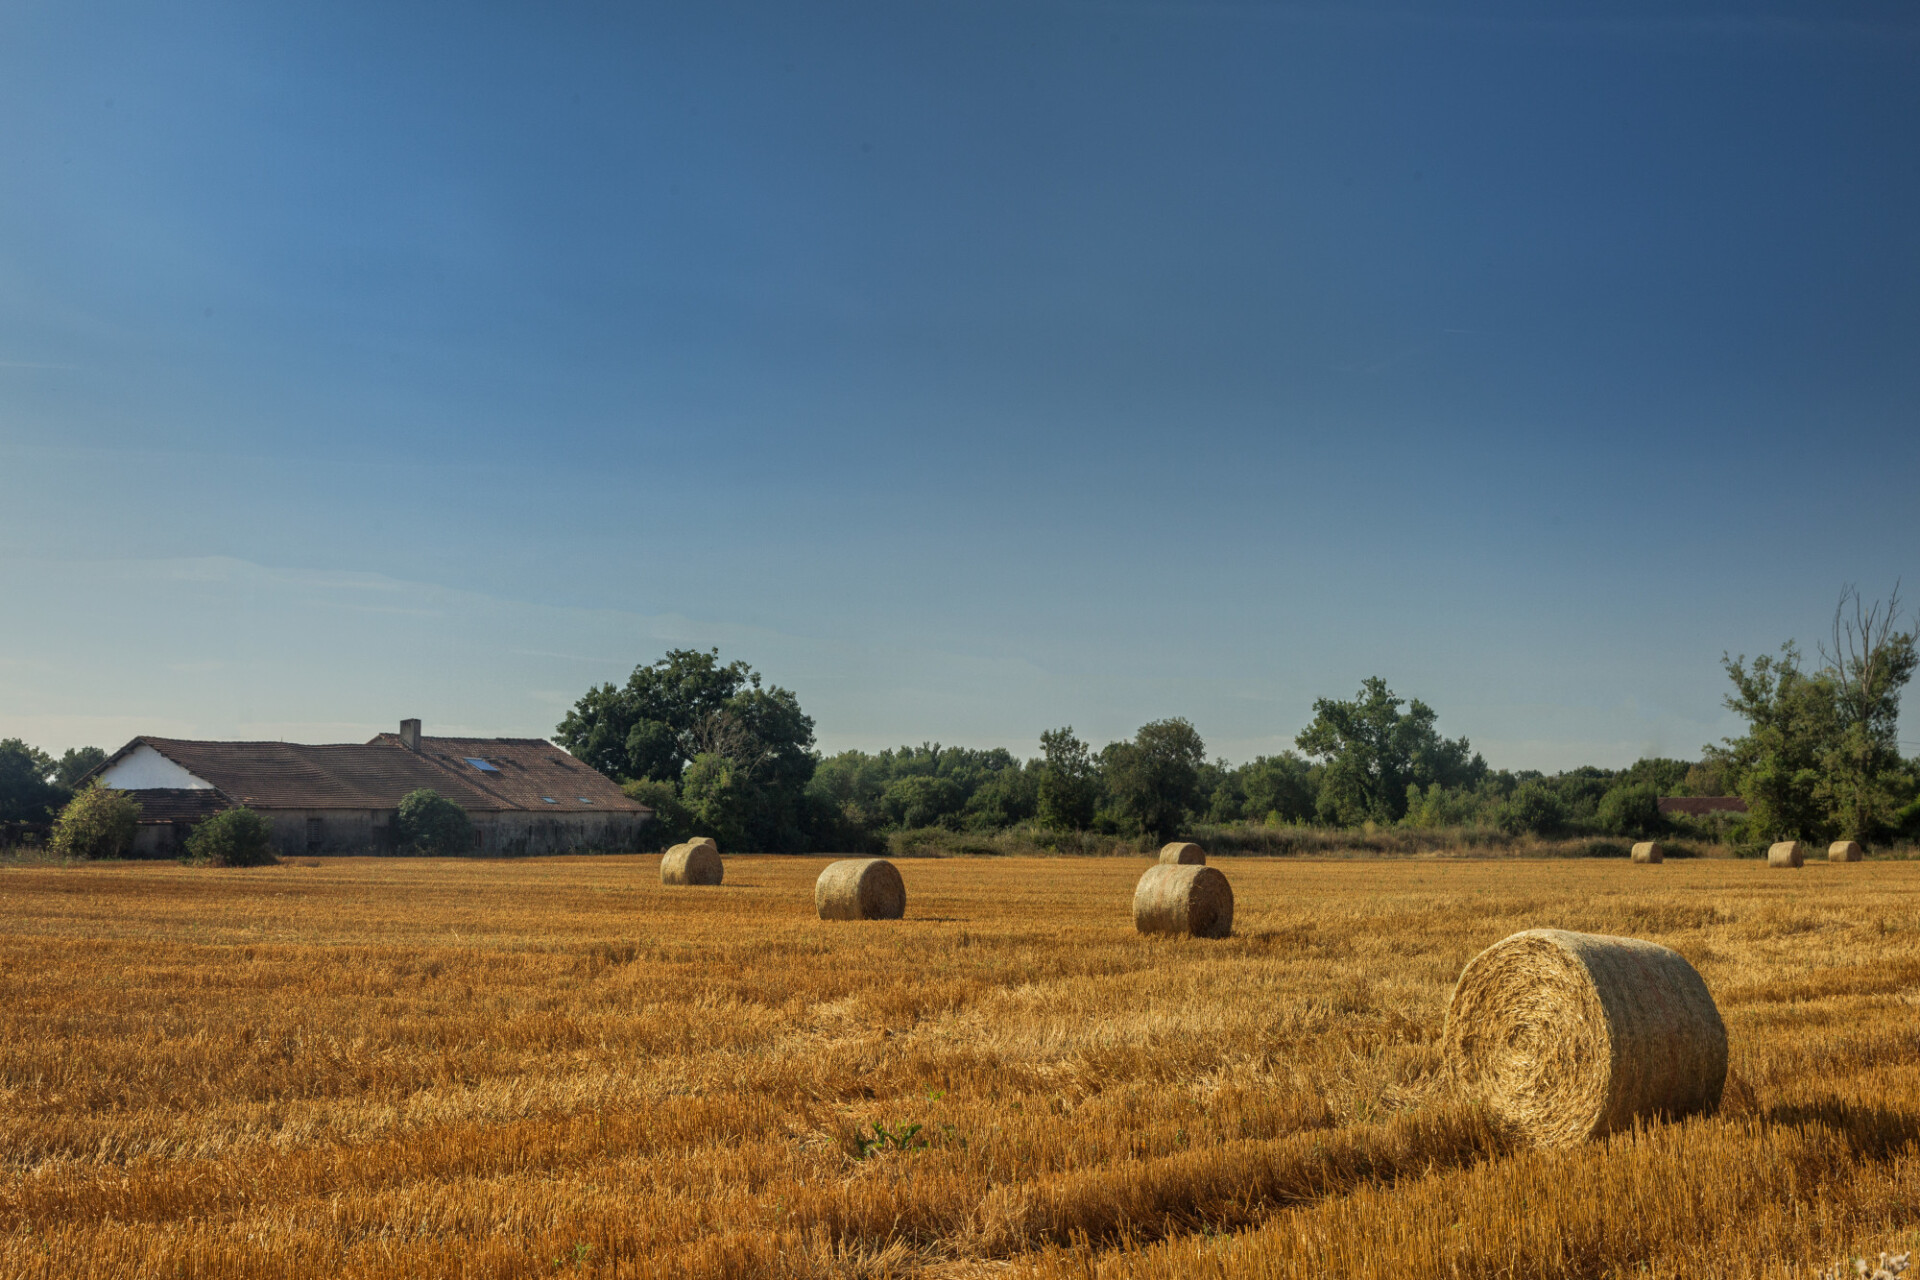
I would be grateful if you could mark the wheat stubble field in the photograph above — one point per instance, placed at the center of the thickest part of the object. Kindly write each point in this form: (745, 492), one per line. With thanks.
(419, 1068)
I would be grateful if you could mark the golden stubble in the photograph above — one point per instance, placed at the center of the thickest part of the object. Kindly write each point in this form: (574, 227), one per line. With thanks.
(387, 1068)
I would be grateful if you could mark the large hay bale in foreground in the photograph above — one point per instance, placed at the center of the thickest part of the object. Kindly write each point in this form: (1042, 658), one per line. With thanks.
(1844, 851)
(1182, 854)
(860, 889)
(695, 862)
(1787, 853)
(1172, 898)
(1649, 851)
(1570, 1036)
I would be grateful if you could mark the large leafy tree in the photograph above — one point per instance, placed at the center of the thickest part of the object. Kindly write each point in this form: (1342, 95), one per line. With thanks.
(1779, 766)
(1373, 751)
(1155, 779)
(1069, 783)
(27, 791)
(1869, 663)
(740, 752)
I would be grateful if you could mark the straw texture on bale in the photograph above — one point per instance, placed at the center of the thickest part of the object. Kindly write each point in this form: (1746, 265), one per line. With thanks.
(1787, 853)
(860, 889)
(1172, 898)
(1570, 1036)
(1648, 851)
(1843, 851)
(695, 862)
(1182, 854)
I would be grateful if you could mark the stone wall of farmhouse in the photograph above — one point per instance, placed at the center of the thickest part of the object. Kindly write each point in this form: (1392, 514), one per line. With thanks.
(299, 832)
(516, 833)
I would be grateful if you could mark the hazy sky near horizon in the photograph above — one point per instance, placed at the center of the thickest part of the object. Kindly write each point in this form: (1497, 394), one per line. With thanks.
(969, 368)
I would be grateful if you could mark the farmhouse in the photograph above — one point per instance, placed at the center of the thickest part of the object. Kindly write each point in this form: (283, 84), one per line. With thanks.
(524, 795)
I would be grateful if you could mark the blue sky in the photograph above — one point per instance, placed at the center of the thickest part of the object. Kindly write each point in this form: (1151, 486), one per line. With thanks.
(969, 368)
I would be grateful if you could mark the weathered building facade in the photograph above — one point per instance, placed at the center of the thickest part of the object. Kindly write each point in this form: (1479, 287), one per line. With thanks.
(523, 795)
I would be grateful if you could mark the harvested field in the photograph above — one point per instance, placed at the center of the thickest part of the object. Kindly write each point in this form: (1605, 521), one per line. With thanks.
(406, 1068)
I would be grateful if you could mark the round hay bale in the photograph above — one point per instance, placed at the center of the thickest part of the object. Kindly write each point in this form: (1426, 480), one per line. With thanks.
(696, 862)
(1182, 854)
(1175, 898)
(1844, 851)
(708, 841)
(1649, 851)
(860, 889)
(1570, 1036)
(1787, 853)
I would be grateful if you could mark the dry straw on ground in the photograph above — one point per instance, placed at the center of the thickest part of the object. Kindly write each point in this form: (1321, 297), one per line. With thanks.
(1182, 854)
(386, 1069)
(1648, 851)
(860, 889)
(695, 862)
(1171, 898)
(1844, 851)
(1569, 1036)
(1787, 853)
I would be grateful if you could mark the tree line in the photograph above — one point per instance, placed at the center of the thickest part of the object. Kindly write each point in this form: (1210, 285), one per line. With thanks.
(713, 748)
(716, 750)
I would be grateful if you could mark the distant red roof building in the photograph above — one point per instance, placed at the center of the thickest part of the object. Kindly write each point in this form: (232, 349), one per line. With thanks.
(524, 795)
(1696, 806)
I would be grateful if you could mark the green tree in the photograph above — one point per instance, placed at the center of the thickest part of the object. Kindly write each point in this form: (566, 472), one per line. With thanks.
(1536, 807)
(99, 822)
(75, 764)
(1630, 809)
(671, 822)
(27, 792)
(1069, 785)
(921, 800)
(1374, 752)
(1009, 795)
(1869, 663)
(1155, 779)
(429, 823)
(1793, 728)
(233, 838)
(1279, 788)
(757, 743)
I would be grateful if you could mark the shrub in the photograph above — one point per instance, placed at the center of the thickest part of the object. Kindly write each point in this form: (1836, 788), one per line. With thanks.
(671, 822)
(233, 838)
(1630, 811)
(97, 823)
(1535, 807)
(430, 823)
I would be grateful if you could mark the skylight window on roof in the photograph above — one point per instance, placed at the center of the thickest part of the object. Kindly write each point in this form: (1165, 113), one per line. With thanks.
(583, 800)
(480, 764)
(549, 800)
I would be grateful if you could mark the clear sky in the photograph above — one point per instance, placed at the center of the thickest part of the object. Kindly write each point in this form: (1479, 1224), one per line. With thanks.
(970, 368)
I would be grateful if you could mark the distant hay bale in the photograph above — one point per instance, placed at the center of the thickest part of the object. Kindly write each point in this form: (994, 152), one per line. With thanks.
(1182, 854)
(1184, 899)
(1787, 853)
(695, 862)
(1649, 851)
(1844, 851)
(1570, 1036)
(860, 889)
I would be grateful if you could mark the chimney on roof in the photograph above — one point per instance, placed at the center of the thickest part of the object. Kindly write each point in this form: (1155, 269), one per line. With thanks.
(410, 734)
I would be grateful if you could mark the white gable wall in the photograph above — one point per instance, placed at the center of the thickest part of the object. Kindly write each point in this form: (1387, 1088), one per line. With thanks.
(143, 769)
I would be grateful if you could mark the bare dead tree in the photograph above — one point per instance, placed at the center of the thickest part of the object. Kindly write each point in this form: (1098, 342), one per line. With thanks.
(724, 734)
(1870, 659)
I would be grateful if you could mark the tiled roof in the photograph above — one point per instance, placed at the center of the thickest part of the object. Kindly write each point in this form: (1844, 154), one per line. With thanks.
(377, 774)
(526, 773)
(299, 775)
(1697, 805)
(166, 804)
